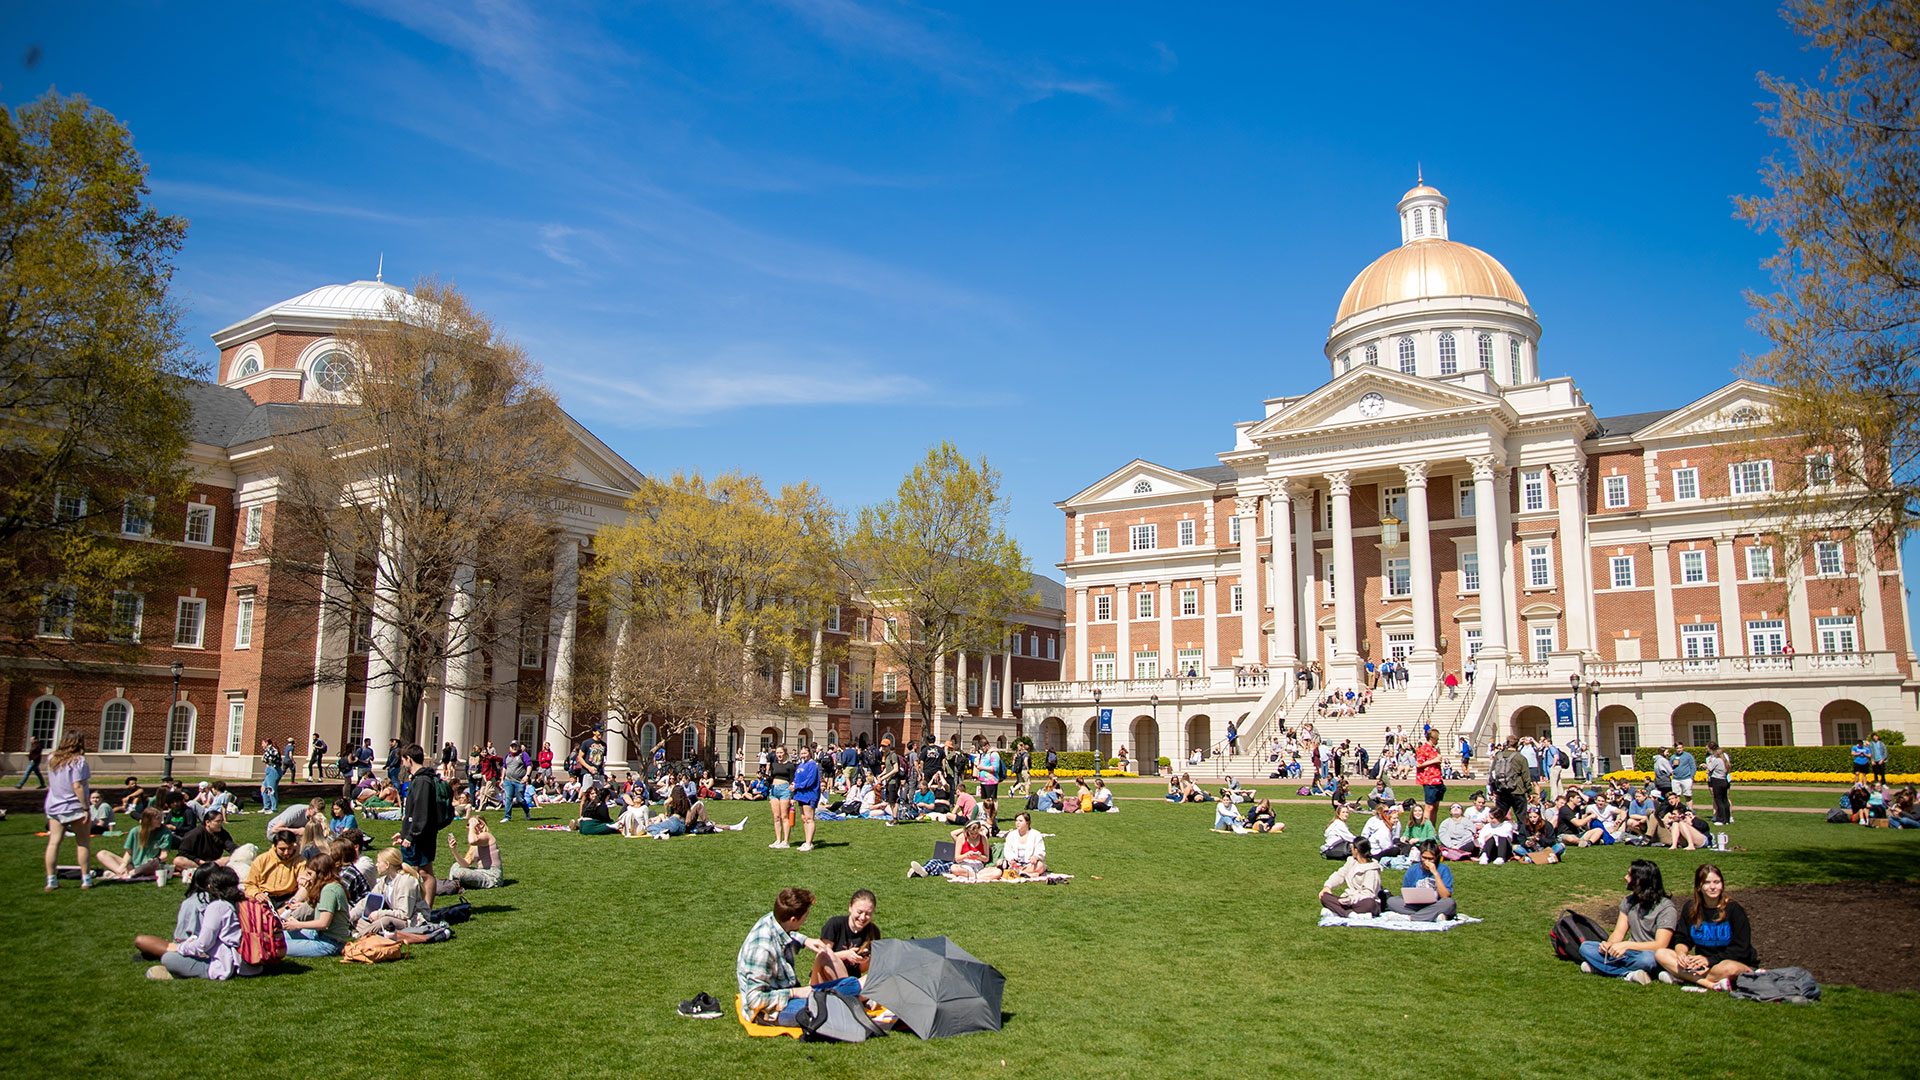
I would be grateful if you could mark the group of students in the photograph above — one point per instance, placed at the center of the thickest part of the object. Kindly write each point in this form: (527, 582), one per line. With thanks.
(1701, 945)
(766, 972)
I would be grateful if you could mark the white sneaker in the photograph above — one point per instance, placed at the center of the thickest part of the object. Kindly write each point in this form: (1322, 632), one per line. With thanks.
(1499, 862)
(805, 847)
(1666, 976)
(1638, 978)
(1586, 968)
(915, 870)
(775, 845)
(1483, 860)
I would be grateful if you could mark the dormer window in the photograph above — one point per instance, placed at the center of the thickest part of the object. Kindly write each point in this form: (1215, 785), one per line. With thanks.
(1419, 223)
(1373, 354)
(1486, 351)
(1449, 360)
(1406, 356)
(333, 371)
(248, 366)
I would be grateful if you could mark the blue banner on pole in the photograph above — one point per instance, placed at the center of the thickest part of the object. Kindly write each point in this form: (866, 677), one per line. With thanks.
(1563, 712)
(1106, 721)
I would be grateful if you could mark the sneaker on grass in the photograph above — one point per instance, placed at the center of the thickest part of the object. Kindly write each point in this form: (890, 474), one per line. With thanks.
(1640, 978)
(1666, 976)
(915, 870)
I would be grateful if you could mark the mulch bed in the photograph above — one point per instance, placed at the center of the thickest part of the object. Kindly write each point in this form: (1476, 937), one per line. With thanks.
(1855, 933)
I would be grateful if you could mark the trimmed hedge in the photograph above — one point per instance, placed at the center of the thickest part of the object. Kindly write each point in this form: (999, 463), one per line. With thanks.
(1791, 759)
(1079, 760)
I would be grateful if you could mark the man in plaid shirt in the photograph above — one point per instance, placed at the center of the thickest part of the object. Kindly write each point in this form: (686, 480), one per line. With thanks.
(769, 988)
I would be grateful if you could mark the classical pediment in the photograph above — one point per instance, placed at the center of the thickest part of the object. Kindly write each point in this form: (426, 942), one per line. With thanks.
(1734, 409)
(1373, 396)
(1140, 480)
(594, 463)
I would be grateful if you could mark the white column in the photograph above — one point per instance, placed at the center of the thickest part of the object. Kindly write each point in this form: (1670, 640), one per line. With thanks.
(1123, 632)
(960, 684)
(562, 621)
(1799, 613)
(1307, 644)
(327, 714)
(816, 673)
(1664, 640)
(503, 705)
(1082, 651)
(381, 689)
(1247, 509)
(1424, 666)
(1210, 610)
(1510, 572)
(1487, 545)
(1346, 648)
(463, 659)
(1575, 559)
(1873, 619)
(1733, 636)
(1166, 626)
(1286, 648)
(1006, 678)
(615, 726)
(939, 695)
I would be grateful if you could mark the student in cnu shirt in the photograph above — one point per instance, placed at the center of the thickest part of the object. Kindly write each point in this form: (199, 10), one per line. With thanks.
(1713, 942)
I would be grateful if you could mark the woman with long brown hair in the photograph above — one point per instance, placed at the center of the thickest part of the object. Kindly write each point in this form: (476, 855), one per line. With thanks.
(1713, 942)
(329, 929)
(146, 848)
(66, 806)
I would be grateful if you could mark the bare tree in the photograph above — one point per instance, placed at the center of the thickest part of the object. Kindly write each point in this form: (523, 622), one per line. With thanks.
(419, 499)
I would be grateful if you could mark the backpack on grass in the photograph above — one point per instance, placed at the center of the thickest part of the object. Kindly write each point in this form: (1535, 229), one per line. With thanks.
(1837, 816)
(372, 949)
(834, 1016)
(1789, 984)
(1572, 930)
(262, 939)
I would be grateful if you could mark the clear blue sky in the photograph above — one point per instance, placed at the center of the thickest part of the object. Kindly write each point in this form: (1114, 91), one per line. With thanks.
(808, 238)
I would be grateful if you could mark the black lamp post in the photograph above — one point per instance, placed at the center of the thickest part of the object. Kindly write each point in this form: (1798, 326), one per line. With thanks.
(1096, 734)
(173, 707)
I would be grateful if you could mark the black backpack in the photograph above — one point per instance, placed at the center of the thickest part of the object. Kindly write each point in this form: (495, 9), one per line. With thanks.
(1837, 816)
(833, 1016)
(1789, 984)
(1572, 930)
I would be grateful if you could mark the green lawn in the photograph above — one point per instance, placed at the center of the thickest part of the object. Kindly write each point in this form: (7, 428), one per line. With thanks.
(1193, 955)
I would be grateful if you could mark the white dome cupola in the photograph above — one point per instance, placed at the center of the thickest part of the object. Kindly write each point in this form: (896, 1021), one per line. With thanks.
(1423, 215)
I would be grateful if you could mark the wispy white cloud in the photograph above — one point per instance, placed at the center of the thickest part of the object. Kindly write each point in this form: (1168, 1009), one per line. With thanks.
(729, 378)
(191, 191)
(506, 37)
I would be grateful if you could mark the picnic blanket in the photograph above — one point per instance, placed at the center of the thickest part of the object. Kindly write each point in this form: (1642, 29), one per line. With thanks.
(880, 1013)
(1388, 922)
(549, 828)
(1050, 879)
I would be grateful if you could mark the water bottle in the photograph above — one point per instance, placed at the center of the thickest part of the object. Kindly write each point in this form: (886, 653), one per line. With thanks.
(1720, 841)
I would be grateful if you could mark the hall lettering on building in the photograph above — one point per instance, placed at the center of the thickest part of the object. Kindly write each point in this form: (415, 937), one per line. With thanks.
(1438, 503)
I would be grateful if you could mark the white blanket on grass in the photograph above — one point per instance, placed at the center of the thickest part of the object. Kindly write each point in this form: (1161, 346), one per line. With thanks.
(1391, 922)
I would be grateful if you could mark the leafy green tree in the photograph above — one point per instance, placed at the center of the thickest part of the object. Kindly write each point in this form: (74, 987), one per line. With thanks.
(937, 564)
(92, 410)
(1844, 319)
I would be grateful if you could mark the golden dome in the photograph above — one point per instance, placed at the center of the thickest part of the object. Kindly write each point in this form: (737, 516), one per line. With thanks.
(1421, 189)
(1426, 268)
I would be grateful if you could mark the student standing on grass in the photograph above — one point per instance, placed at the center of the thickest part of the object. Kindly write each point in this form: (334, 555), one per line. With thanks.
(1646, 925)
(1877, 755)
(270, 762)
(66, 805)
(1720, 782)
(1713, 941)
(806, 794)
(779, 774)
(426, 813)
(1426, 772)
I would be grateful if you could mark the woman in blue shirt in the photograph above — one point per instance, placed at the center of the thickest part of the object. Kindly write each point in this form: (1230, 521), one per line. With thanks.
(806, 794)
(1429, 871)
(1862, 760)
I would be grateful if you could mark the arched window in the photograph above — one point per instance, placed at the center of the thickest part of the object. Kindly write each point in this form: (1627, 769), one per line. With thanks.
(1406, 356)
(1433, 220)
(833, 735)
(1346, 361)
(116, 722)
(43, 721)
(1486, 351)
(1513, 354)
(333, 371)
(689, 744)
(648, 736)
(248, 366)
(1419, 223)
(1373, 354)
(1449, 360)
(180, 725)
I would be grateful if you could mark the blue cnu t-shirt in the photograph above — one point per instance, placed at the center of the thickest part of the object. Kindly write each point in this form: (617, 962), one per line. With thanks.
(806, 778)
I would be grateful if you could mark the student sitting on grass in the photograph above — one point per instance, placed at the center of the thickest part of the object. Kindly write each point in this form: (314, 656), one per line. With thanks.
(1417, 827)
(1025, 852)
(1903, 815)
(143, 852)
(479, 868)
(1261, 819)
(1456, 835)
(328, 929)
(1174, 794)
(1641, 811)
(1429, 870)
(1537, 836)
(1383, 838)
(1103, 799)
(1645, 926)
(1359, 878)
(1227, 819)
(1337, 841)
(594, 820)
(213, 952)
(970, 851)
(1496, 838)
(1712, 941)
(1050, 797)
(1679, 826)
(849, 939)
(400, 896)
(205, 843)
(770, 990)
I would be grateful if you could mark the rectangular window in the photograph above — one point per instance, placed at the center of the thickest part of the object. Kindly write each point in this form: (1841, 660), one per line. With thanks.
(256, 519)
(1622, 566)
(236, 725)
(1019, 644)
(243, 623)
(69, 503)
(1189, 602)
(1700, 641)
(1693, 568)
(973, 692)
(1190, 661)
(1233, 529)
(1836, 634)
(1103, 667)
(1033, 645)
(1766, 637)
(1393, 503)
(1759, 563)
(1686, 483)
(1828, 557)
(689, 744)
(1100, 541)
(993, 693)
(1466, 499)
(1145, 537)
(1399, 577)
(833, 680)
(833, 616)
(1846, 731)
(1146, 664)
(180, 728)
(533, 646)
(1544, 638)
(136, 516)
(1238, 601)
(1616, 492)
(1533, 489)
(1326, 577)
(890, 686)
(1773, 735)
(1751, 477)
(1819, 470)
(859, 698)
(199, 524)
(1187, 533)
(1473, 641)
(1539, 567)
(189, 620)
(56, 612)
(128, 609)
(892, 629)
(1143, 604)
(1627, 737)
(1470, 571)
(1513, 358)
(363, 631)
(1103, 608)
(800, 676)
(1052, 644)
(950, 691)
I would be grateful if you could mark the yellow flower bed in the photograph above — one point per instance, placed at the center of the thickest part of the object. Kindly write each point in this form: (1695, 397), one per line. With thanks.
(1768, 776)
